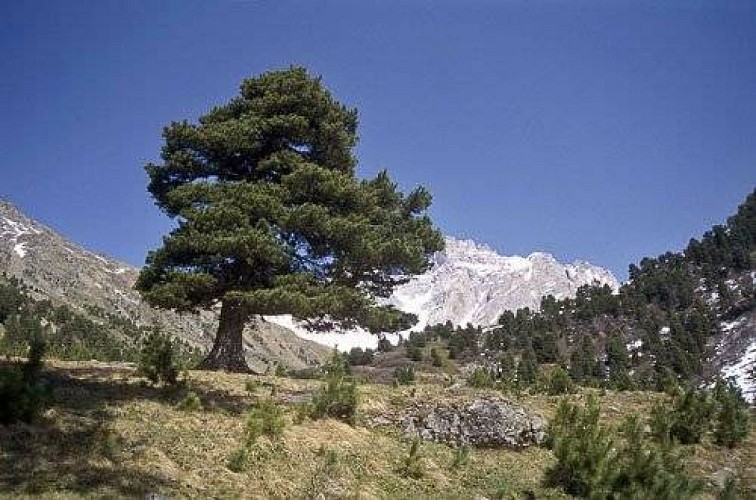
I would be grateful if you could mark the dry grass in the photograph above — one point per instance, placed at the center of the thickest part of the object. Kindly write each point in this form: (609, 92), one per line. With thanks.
(111, 435)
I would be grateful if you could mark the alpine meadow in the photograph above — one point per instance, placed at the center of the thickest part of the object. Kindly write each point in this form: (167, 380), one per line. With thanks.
(378, 250)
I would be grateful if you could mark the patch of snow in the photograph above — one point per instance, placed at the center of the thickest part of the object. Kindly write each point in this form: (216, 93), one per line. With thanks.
(12, 231)
(343, 340)
(119, 270)
(635, 345)
(20, 249)
(726, 326)
(743, 371)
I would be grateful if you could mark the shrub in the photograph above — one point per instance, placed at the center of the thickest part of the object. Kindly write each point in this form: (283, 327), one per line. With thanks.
(582, 448)
(731, 414)
(643, 470)
(338, 397)
(281, 370)
(481, 378)
(412, 465)
(191, 402)
(358, 357)
(22, 393)
(384, 345)
(590, 463)
(265, 419)
(436, 358)
(251, 385)
(404, 375)
(686, 421)
(158, 360)
(560, 382)
(414, 352)
(238, 460)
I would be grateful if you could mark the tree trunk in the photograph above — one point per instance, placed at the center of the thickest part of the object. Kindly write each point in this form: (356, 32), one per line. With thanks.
(228, 349)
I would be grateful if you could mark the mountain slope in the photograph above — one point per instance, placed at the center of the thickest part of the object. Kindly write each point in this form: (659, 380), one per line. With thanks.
(65, 273)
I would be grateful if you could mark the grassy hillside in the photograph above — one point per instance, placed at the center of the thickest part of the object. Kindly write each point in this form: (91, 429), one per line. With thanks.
(109, 434)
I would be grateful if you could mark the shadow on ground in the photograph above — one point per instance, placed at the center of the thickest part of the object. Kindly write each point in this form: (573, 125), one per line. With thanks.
(73, 448)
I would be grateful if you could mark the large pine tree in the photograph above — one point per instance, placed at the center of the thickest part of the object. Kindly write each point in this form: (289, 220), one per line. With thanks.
(272, 219)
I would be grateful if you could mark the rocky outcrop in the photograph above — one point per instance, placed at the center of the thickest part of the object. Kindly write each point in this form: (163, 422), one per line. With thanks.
(484, 422)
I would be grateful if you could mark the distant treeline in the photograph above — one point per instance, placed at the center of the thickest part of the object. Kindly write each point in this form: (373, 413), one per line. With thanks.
(68, 334)
(655, 329)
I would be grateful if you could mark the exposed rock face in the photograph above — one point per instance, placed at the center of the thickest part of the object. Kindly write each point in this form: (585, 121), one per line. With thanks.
(483, 422)
(734, 348)
(59, 270)
(470, 283)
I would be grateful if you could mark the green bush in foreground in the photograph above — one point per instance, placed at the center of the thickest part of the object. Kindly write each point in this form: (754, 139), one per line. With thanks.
(159, 359)
(265, 419)
(560, 382)
(695, 412)
(339, 396)
(22, 394)
(731, 417)
(593, 464)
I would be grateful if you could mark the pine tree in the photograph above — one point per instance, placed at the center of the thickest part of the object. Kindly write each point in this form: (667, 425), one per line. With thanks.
(271, 218)
(731, 418)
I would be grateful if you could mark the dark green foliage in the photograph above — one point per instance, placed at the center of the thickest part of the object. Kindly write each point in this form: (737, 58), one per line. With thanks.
(731, 416)
(358, 357)
(159, 360)
(730, 246)
(12, 297)
(583, 449)
(664, 305)
(560, 382)
(414, 352)
(643, 470)
(339, 396)
(685, 420)
(527, 369)
(481, 378)
(415, 345)
(266, 418)
(271, 217)
(404, 375)
(191, 402)
(281, 370)
(585, 366)
(384, 344)
(237, 462)
(593, 464)
(72, 335)
(22, 392)
(436, 358)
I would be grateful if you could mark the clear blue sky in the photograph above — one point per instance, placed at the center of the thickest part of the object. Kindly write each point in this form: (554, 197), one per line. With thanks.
(598, 130)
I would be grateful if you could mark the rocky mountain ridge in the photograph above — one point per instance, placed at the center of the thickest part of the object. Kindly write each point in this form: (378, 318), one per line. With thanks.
(471, 283)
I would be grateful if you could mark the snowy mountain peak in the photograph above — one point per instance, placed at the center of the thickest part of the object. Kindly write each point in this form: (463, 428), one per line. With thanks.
(471, 283)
